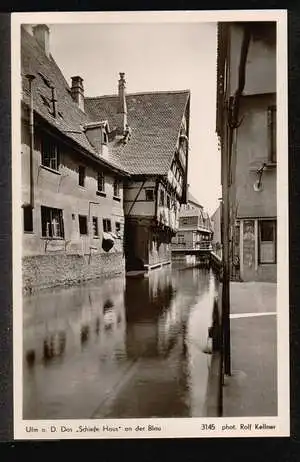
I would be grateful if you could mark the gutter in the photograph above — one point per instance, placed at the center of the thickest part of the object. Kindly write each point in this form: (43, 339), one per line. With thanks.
(72, 143)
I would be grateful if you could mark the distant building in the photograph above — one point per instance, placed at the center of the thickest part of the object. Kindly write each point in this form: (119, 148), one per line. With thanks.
(246, 125)
(216, 227)
(195, 230)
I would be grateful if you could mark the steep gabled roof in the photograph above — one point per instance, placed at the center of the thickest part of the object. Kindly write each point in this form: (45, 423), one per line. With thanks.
(70, 118)
(192, 199)
(154, 119)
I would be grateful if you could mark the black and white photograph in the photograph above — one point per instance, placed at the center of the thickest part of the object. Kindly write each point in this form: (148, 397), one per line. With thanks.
(150, 219)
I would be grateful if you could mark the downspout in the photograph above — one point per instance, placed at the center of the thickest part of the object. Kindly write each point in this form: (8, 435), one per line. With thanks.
(233, 124)
(234, 102)
(30, 78)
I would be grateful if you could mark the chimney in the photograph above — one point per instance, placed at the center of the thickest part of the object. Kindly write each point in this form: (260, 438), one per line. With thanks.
(77, 91)
(122, 106)
(42, 34)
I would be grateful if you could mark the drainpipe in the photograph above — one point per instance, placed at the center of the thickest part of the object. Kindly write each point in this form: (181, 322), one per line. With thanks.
(233, 124)
(30, 78)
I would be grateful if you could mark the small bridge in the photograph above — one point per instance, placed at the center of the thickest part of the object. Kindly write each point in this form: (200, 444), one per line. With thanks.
(192, 247)
(201, 252)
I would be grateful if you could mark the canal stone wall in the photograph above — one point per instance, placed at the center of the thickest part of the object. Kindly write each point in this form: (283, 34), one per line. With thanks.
(43, 271)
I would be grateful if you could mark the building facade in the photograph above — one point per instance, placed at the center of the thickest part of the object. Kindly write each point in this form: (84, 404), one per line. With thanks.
(246, 125)
(72, 193)
(194, 230)
(149, 138)
(216, 227)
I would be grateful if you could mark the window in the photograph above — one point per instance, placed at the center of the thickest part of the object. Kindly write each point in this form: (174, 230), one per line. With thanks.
(27, 219)
(50, 152)
(149, 195)
(81, 175)
(267, 241)
(168, 202)
(116, 188)
(180, 238)
(95, 227)
(272, 133)
(106, 225)
(118, 229)
(101, 182)
(52, 222)
(104, 137)
(83, 228)
(162, 198)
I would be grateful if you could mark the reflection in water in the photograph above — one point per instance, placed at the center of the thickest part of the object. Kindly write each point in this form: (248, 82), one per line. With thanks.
(97, 328)
(84, 335)
(142, 336)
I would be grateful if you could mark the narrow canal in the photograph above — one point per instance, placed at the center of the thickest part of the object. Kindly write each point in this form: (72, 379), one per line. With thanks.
(119, 348)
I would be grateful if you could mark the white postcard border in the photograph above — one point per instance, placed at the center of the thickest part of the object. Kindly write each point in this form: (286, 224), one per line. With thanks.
(179, 427)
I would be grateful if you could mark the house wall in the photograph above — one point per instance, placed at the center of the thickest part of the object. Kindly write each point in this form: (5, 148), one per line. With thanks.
(61, 190)
(250, 268)
(216, 222)
(261, 60)
(135, 201)
(251, 149)
(149, 224)
(145, 245)
(251, 146)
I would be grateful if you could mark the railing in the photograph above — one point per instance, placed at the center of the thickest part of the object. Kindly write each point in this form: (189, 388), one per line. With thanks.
(188, 245)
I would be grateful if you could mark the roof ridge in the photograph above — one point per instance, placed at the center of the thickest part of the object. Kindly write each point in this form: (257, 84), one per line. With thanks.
(141, 93)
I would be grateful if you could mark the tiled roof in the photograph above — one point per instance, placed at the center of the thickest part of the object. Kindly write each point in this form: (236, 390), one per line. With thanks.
(190, 212)
(70, 118)
(154, 119)
(192, 199)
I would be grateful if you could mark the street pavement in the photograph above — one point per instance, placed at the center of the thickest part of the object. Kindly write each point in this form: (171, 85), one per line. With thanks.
(251, 390)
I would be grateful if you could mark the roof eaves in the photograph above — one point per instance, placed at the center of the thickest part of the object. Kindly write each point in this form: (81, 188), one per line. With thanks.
(92, 155)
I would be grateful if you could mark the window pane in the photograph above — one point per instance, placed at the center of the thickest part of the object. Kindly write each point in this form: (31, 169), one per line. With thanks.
(162, 198)
(116, 188)
(82, 224)
(267, 247)
(267, 231)
(149, 195)
(106, 225)
(101, 183)
(95, 226)
(27, 219)
(49, 150)
(52, 222)
(81, 175)
(267, 252)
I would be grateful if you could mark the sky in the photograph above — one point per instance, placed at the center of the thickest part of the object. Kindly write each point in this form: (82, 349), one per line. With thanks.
(154, 57)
